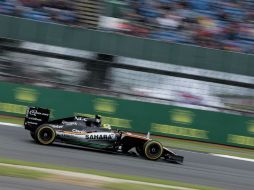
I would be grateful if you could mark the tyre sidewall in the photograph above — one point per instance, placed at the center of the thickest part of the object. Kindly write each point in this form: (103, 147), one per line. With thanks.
(146, 149)
(39, 140)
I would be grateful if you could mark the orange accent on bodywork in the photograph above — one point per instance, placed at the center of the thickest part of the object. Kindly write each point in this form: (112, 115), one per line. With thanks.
(137, 136)
(75, 133)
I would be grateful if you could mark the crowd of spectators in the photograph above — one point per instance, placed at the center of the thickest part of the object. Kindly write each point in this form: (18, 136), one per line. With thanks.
(221, 24)
(59, 11)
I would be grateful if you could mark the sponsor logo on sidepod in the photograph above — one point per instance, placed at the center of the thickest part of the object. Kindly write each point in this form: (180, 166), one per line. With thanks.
(99, 137)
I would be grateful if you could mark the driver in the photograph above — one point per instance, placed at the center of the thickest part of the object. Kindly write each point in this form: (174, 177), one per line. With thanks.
(94, 122)
(97, 121)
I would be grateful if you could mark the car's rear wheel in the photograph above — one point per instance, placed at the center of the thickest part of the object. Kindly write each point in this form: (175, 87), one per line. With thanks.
(152, 150)
(45, 135)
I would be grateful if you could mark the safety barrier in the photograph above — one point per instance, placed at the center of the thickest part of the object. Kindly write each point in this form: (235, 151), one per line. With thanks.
(172, 121)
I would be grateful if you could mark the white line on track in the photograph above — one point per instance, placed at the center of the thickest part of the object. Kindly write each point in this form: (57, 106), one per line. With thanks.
(233, 157)
(95, 177)
(10, 124)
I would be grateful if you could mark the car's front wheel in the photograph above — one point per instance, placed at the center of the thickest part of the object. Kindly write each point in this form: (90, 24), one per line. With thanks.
(152, 150)
(45, 135)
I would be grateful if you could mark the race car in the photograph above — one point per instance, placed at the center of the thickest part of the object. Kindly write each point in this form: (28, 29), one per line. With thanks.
(90, 132)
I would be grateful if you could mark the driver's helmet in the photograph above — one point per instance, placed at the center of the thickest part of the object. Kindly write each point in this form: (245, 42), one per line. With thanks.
(98, 120)
(97, 117)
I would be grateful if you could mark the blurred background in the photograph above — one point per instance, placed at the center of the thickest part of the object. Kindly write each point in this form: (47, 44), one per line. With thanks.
(177, 68)
(226, 25)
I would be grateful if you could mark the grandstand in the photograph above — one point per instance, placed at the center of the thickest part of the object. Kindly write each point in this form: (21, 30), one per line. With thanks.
(220, 24)
(190, 76)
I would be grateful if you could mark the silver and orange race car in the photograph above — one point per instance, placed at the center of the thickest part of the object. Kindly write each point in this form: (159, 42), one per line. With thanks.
(90, 132)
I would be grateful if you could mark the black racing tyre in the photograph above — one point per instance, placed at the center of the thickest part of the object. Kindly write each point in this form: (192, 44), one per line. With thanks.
(45, 135)
(32, 135)
(152, 150)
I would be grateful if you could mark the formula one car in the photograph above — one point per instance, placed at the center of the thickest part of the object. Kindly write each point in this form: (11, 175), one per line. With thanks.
(89, 132)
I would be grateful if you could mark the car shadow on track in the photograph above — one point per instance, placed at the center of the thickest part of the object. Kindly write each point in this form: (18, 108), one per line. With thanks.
(130, 154)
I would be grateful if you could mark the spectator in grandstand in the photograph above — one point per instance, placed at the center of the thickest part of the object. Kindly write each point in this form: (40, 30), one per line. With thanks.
(43, 10)
(224, 24)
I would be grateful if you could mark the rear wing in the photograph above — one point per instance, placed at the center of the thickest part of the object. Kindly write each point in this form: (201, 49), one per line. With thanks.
(35, 116)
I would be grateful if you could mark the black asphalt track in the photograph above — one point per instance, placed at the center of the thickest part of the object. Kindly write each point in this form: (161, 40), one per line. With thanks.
(198, 168)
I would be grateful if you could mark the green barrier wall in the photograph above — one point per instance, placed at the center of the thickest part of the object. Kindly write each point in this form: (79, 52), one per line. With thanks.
(132, 115)
(115, 44)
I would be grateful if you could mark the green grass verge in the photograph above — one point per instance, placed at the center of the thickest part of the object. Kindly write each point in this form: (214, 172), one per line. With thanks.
(177, 143)
(10, 119)
(107, 174)
(21, 173)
